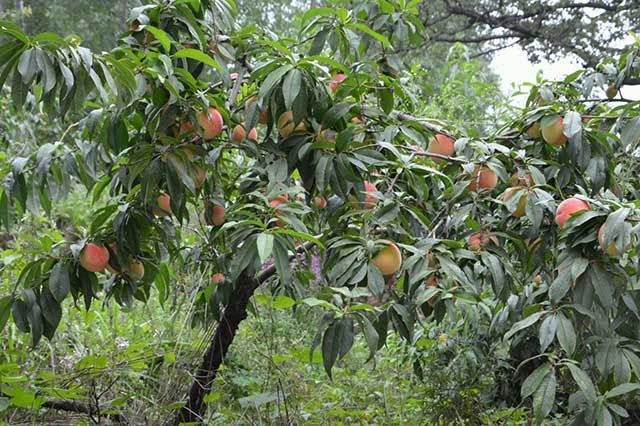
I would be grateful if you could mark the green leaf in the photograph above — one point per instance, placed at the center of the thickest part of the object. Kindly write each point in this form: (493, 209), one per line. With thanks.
(27, 66)
(370, 334)
(335, 339)
(621, 390)
(335, 113)
(283, 302)
(534, 380)
(566, 334)
(631, 132)
(291, 87)
(544, 398)
(572, 123)
(161, 36)
(13, 30)
(375, 280)
(19, 313)
(522, 324)
(272, 79)
(385, 97)
(560, 286)
(382, 39)
(583, 381)
(51, 310)
(59, 283)
(198, 56)
(547, 331)
(265, 246)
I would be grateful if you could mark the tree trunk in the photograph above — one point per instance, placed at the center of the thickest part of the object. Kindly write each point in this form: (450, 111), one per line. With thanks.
(233, 314)
(124, 13)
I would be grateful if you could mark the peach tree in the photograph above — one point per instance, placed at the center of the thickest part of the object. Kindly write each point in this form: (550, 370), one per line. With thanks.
(238, 153)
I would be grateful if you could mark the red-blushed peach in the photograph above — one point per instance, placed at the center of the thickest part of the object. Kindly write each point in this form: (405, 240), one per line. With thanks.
(94, 257)
(553, 133)
(389, 258)
(483, 178)
(442, 145)
(569, 207)
(211, 123)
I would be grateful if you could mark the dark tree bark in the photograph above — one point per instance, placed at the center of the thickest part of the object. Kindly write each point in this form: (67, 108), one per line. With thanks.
(233, 315)
(223, 336)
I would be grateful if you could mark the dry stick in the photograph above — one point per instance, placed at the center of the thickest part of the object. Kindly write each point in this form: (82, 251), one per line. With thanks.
(225, 332)
(74, 406)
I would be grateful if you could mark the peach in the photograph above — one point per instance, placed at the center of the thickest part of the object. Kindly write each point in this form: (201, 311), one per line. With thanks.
(163, 208)
(389, 259)
(335, 81)
(280, 199)
(442, 145)
(611, 249)
(320, 202)
(553, 133)
(217, 214)
(240, 133)
(483, 178)
(286, 126)
(262, 118)
(135, 269)
(611, 91)
(522, 202)
(534, 131)
(370, 200)
(186, 127)
(569, 207)
(217, 278)
(211, 123)
(94, 257)
(479, 240)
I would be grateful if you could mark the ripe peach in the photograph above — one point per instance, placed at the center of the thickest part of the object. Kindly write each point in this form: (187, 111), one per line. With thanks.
(186, 127)
(163, 208)
(217, 214)
(553, 133)
(217, 278)
(611, 91)
(537, 279)
(611, 249)
(479, 240)
(522, 202)
(135, 269)
(211, 122)
(335, 81)
(240, 133)
(483, 178)
(286, 125)
(320, 202)
(569, 207)
(534, 131)
(370, 200)
(442, 145)
(94, 257)
(262, 118)
(356, 120)
(389, 259)
(280, 199)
